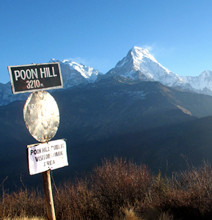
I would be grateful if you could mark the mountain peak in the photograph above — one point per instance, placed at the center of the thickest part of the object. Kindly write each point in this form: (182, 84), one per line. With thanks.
(139, 53)
(140, 64)
(206, 73)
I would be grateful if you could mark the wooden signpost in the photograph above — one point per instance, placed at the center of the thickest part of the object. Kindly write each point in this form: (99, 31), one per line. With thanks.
(41, 116)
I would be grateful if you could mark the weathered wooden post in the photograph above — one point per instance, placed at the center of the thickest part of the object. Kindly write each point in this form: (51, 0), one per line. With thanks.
(48, 195)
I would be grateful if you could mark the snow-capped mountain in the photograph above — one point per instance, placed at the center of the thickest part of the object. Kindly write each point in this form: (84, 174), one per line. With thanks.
(74, 73)
(139, 64)
(201, 83)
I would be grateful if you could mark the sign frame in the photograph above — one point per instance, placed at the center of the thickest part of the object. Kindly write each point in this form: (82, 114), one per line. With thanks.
(39, 80)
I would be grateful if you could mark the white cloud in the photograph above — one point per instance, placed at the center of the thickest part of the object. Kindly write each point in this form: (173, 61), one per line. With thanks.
(148, 47)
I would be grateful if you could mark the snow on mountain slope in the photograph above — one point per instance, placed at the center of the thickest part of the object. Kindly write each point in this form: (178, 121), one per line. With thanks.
(74, 73)
(139, 64)
(201, 83)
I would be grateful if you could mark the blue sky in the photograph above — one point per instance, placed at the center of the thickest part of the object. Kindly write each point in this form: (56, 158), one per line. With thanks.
(99, 33)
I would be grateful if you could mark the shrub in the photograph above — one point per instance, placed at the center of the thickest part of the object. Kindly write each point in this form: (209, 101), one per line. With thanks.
(190, 193)
(20, 204)
(121, 190)
(119, 184)
(76, 202)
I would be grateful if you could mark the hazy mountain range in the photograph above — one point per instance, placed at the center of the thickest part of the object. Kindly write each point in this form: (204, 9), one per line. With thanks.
(138, 65)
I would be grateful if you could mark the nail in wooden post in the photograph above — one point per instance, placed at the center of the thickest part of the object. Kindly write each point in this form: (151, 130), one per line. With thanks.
(48, 195)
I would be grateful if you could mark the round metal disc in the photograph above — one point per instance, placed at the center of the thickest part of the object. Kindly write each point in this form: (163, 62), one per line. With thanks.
(41, 116)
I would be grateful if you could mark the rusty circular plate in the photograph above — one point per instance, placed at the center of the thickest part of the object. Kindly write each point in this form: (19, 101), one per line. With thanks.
(41, 116)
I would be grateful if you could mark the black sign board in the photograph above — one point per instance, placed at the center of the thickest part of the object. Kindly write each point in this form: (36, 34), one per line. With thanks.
(28, 78)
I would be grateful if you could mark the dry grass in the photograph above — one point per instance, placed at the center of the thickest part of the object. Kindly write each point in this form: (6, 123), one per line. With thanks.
(25, 218)
(121, 190)
(21, 204)
(129, 214)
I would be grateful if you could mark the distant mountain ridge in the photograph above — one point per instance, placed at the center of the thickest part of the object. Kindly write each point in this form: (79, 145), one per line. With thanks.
(202, 83)
(137, 65)
(115, 116)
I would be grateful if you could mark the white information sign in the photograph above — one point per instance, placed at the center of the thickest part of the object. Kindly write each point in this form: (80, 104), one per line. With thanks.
(47, 156)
